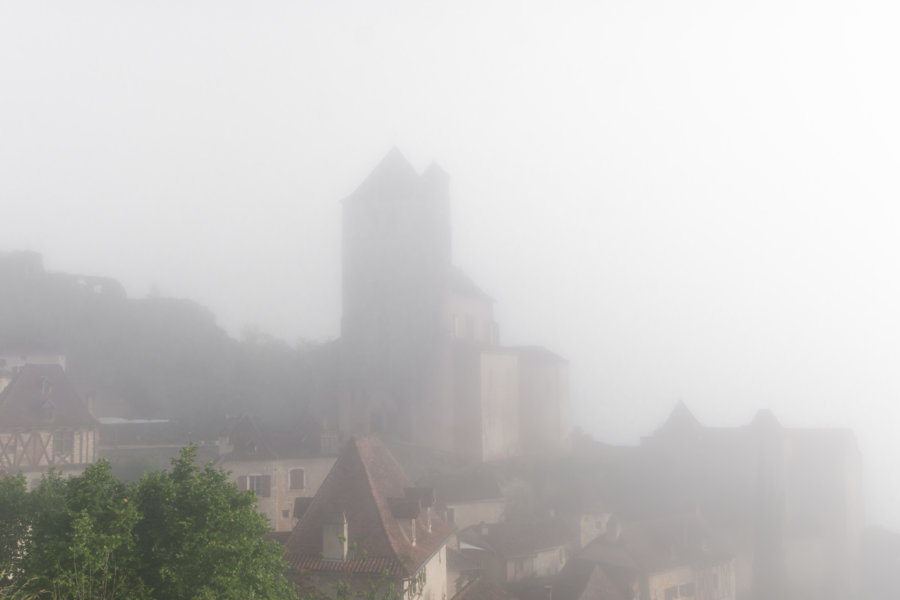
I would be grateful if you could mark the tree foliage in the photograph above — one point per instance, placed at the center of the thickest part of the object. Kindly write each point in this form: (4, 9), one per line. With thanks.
(187, 533)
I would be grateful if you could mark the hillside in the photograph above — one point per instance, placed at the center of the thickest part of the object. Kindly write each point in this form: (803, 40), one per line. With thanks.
(154, 357)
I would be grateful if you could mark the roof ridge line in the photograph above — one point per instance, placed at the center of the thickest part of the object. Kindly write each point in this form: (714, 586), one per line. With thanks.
(379, 506)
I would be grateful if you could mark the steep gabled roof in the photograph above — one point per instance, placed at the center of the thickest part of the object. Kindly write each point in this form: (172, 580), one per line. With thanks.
(41, 397)
(363, 484)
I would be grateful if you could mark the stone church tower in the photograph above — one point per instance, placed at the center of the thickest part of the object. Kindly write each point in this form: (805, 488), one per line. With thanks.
(421, 358)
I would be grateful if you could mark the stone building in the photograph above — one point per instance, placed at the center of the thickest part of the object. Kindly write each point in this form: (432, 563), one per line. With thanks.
(421, 352)
(789, 500)
(45, 424)
(667, 558)
(281, 468)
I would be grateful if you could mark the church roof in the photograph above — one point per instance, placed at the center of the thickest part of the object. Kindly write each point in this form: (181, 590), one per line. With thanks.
(41, 397)
(368, 486)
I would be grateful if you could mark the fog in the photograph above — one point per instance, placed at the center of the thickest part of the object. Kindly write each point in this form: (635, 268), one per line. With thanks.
(688, 201)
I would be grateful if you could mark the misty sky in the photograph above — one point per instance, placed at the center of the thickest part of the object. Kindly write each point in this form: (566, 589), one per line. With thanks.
(689, 200)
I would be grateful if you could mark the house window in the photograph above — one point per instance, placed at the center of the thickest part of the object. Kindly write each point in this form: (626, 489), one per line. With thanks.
(298, 479)
(285, 514)
(261, 484)
(672, 592)
(686, 590)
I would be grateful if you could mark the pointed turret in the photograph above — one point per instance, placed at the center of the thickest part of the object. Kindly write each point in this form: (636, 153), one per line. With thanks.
(391, 176)
(681, 421)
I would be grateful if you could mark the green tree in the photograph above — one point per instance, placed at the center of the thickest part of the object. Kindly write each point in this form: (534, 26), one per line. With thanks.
(201, 538)
(184, 534)
(14, 526)
(81, 544)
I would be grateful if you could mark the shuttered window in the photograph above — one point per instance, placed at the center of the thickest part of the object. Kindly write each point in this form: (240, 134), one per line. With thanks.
(298, 479)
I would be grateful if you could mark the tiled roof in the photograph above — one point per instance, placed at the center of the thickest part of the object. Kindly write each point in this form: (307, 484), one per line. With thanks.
(42, 397)
(360, 484)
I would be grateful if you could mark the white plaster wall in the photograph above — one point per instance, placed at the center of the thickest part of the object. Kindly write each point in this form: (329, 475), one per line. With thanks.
(471, 513)
(499, 405)
(549, 562)
(436, 576)
(658, 582)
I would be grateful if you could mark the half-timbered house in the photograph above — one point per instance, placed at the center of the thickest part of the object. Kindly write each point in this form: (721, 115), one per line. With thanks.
(44, 423)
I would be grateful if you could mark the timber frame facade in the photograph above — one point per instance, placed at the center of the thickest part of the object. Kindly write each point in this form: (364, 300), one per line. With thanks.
(45, 424)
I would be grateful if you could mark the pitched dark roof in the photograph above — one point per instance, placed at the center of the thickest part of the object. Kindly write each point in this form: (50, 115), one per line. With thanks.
(41, 397)
(468, 485)
(250, 441)
(361, 484)
(515, 539)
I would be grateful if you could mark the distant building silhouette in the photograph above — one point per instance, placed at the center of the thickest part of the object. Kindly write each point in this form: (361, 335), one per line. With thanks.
(421, 353)
(789, 499)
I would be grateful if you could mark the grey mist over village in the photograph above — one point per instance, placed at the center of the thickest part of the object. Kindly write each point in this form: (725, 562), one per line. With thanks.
(449, 301)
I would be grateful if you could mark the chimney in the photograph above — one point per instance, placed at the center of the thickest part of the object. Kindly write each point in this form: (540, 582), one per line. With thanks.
(409, 529)
(334, 536)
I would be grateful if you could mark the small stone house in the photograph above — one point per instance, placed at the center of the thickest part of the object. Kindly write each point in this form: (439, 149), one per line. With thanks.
(282, 468)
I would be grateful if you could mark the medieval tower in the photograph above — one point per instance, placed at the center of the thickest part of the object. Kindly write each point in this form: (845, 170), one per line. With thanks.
(421, 356)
